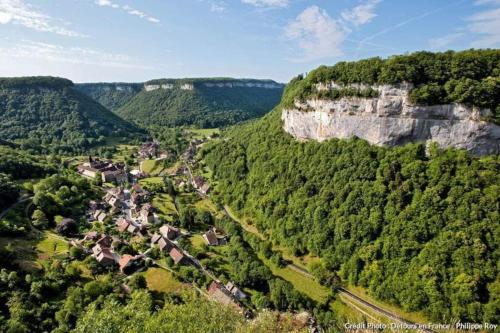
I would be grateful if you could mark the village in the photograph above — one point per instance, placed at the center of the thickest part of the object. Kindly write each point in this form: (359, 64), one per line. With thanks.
(136, 234)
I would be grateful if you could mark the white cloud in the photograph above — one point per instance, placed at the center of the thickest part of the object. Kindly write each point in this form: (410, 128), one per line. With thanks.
(361, 14)
(443, 41)
(485, 2)
(487, 25)
(128, 9)
(218, 7)
(317, 34)
(320, 36)
(20, 13)
(266, 3)
(73, 55)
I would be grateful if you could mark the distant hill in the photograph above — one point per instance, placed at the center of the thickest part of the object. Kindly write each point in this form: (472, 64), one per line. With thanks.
(210, 102)
(49, 111)
(110, 95)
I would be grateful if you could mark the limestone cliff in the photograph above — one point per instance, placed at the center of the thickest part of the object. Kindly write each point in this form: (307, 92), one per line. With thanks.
(391, 119)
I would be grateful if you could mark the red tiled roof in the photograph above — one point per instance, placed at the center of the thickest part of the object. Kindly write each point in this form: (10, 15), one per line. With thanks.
(176, 255)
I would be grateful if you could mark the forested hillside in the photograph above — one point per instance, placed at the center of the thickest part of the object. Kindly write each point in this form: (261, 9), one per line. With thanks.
(420, 231)
(110, 95)
(49, 111)
(16, 165)
(203, 106)
(471, 77)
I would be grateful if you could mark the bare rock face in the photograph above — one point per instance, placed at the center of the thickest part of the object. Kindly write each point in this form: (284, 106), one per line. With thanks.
(391, 119)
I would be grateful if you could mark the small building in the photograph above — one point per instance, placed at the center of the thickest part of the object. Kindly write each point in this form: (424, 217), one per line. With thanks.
(211, 238)
(233, 289)
(122, 224)
(155, 238)
(146, 216)
(99, 215)
(96, 249)
(114, 202)
(205, 188)
(169, 232)
(164, 244)
(132, 228)
(105, 257)
(105, 241)
(198, 182)
(218, 292)
(117, 192)
(177, 255)
(139, 197)
(129, 264)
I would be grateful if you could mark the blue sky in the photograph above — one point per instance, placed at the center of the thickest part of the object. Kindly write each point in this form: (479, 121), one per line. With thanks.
(138, 40)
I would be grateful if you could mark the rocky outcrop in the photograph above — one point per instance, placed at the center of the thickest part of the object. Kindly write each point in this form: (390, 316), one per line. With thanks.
(215, 84)
(391, 119)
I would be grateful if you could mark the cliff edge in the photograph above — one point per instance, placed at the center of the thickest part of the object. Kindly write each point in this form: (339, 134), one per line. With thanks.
(391, 119)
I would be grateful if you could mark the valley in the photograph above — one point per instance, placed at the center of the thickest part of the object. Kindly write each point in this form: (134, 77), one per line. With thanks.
(368, 195)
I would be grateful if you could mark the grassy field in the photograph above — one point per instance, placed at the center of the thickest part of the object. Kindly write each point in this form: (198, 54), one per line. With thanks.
(344, 313)
(164, 203)
(203, 132)
(197, 241)
(161, 280)
(302, 283)
(32, 253)
(206, 204)
(51, 246)
(151, 180)
(152, 167)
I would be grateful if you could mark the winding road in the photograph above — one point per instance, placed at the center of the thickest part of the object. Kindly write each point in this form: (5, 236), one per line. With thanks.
(14, 205)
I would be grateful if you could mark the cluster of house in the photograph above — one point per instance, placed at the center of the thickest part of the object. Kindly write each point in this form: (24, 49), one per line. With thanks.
(114, 198)
(151, 149)
(148, 149)
(101, 247)
(108, 170)
(165, 239)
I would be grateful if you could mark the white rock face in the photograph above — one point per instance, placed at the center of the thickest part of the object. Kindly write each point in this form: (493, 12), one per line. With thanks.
(391, 119)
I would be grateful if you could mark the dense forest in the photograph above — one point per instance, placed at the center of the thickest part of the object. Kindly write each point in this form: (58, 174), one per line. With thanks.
(203, 107)
(417, 230)
(17, 165)
(110, 95)
(41, 111)
(471, 77)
